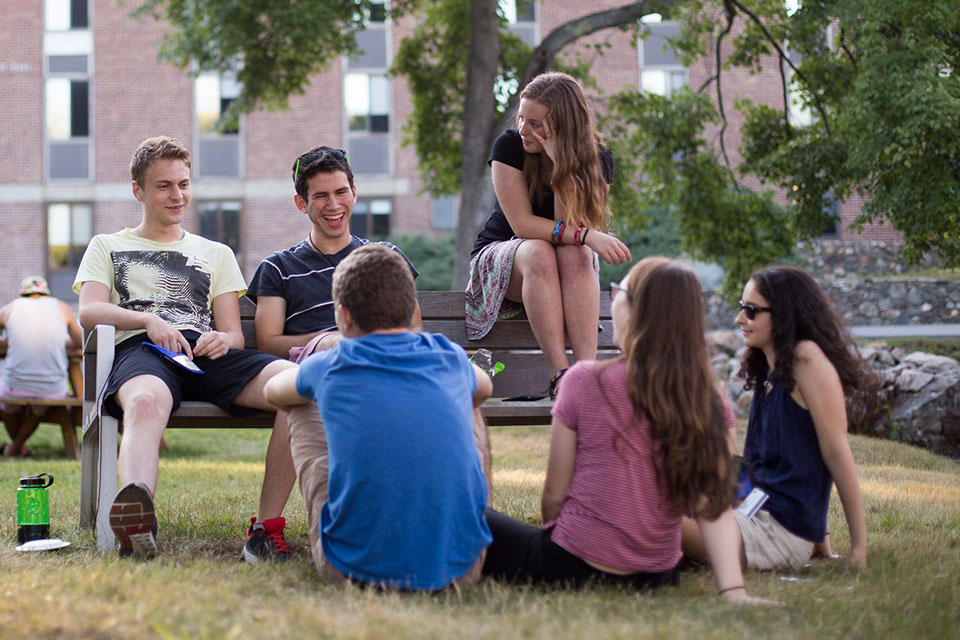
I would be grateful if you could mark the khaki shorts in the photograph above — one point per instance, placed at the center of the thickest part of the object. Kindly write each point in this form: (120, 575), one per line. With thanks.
(768, 545)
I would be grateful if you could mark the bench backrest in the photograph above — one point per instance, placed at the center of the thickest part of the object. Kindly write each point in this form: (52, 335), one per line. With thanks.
(511, 341)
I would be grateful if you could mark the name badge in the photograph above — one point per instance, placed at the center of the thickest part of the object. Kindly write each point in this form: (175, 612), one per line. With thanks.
(752, 503)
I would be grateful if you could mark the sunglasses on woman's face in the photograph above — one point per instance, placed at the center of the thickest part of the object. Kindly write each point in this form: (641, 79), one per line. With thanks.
(751, 310)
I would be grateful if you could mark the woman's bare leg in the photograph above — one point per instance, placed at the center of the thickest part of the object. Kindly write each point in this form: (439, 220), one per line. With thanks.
(535, 281)
(581, 299)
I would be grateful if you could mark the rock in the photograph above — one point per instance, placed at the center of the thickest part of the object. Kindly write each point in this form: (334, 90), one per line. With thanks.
(931, 363)
(913, 380)
(724, 341)
(743, 402)
(930, 417)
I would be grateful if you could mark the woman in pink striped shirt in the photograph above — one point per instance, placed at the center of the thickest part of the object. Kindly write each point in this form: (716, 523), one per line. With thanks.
(638, 442)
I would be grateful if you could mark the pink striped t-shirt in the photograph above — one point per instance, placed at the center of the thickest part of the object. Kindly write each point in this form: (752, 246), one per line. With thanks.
(613, 513)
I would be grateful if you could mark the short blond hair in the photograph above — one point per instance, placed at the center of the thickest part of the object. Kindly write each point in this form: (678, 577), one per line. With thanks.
(157, 148)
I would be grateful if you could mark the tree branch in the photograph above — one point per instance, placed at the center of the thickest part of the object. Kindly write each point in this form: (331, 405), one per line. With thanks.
(785, 58)
(731, 14)
(846, 49)
(568, 32)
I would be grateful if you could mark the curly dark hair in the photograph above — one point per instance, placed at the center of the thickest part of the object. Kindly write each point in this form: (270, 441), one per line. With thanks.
(801, 311)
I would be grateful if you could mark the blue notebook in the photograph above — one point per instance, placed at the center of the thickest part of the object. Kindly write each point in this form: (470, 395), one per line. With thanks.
(179, 359)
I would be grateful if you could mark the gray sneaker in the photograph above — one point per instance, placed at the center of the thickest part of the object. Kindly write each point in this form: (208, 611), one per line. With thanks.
(134, 522)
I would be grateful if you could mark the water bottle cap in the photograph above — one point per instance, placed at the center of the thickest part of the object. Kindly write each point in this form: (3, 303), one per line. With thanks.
(37, 481)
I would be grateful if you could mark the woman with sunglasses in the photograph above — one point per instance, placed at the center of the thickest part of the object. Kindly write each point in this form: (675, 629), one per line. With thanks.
(799, 362)
(537, 251)
(637, 443)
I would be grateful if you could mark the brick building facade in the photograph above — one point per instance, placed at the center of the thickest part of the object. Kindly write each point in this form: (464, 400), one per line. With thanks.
(80, 87)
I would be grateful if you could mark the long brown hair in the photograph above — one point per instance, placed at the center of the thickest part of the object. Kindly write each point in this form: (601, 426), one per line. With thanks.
(670, 381)
(800, 310)
(578, 153)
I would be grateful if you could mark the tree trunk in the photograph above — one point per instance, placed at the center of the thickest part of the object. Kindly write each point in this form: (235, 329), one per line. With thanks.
(476, 192)
(479, 110)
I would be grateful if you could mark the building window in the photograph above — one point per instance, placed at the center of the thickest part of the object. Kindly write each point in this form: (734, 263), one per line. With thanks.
(218, 137)
(371, 218)
(367, 97)
(443, 212)
(220, 221)
(69, 229)
(68, 46)
(831, 206)
(62, 15)
(521, 18)
(660, 69)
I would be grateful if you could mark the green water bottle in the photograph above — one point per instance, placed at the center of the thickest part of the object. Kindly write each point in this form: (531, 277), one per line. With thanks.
(33, 508)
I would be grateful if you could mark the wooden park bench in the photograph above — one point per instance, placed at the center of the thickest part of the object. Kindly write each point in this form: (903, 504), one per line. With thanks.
(66, 412)
(510, 341)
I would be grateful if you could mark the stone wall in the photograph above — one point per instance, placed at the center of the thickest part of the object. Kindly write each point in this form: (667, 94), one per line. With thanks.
(917, 401)
(853, 276)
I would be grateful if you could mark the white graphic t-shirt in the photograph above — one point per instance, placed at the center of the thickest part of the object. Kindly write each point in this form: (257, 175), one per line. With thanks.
(176, 281)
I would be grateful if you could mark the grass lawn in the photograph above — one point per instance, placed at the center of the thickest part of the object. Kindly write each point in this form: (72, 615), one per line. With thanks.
(199, 588)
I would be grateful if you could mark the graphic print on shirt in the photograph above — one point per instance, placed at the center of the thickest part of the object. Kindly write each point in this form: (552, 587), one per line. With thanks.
(168, 284)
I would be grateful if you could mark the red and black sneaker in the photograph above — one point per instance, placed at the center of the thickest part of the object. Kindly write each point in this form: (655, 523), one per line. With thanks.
(134, 522)
(265, 541)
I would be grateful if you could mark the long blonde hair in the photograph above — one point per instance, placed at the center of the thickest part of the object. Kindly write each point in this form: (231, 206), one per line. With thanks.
(577, 163)
(670, 381)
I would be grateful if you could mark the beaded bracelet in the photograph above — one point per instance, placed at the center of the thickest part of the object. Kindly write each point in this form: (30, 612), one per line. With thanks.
(579, 234)
(556, 233)
(561, 227)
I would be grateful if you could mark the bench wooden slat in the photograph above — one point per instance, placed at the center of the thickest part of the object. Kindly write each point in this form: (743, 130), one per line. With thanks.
(449, 305)
(43, 402)
(506, 334)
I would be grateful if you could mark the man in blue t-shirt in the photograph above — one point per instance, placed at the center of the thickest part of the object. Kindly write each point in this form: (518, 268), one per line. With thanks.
(292, 287)
(404, 507)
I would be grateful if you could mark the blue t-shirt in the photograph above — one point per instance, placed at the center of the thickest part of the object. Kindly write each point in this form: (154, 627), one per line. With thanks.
(407, 493)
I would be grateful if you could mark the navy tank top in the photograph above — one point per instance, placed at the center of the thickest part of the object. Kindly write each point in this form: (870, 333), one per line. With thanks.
(783, 456)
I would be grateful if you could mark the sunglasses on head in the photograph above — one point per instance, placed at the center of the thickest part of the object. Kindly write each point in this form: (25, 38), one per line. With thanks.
(751, 310)
(339, 154)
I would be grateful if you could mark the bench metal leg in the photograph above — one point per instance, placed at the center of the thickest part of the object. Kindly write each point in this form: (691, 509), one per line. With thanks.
(89, 458)
(107, 482)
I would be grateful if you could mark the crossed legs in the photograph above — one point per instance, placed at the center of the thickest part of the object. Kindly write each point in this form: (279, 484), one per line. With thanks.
(559, 289)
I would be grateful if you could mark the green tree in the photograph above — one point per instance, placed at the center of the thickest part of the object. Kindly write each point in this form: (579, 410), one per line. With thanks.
(881, 80)
(880, 76)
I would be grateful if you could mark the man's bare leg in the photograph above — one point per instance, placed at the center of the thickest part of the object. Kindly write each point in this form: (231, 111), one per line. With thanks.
(146, 404)
(279, 475)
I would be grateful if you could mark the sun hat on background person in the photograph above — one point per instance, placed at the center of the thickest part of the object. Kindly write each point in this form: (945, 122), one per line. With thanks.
(32, 285)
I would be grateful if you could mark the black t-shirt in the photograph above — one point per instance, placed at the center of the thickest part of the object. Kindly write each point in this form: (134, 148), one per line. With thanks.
(508, 149)
(304, 278)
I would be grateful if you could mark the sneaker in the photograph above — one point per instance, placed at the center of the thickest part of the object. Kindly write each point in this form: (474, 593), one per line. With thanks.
(134, 522)
(265, 541)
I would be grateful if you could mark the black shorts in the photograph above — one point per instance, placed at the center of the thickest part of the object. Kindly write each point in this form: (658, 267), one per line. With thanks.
(222, 380)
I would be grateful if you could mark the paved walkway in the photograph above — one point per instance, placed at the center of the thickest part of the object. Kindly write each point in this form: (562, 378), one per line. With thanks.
(907, 331)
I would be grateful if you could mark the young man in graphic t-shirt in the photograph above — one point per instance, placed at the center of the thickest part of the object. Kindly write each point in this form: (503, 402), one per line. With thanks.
(159, 283)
